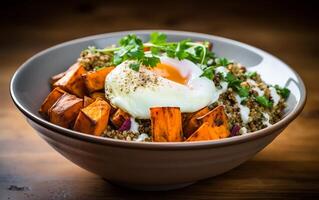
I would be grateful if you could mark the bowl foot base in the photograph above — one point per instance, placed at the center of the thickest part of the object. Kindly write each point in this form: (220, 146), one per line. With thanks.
(151, 187)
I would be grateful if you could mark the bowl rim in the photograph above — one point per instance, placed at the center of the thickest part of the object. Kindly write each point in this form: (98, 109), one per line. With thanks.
(157, 145)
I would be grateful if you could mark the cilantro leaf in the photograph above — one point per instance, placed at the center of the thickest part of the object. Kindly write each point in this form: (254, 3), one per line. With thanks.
(117, 59)
(130, 39)
(155, 50)
(243, 92)
(264, 101)
(208, 72)
(251, 74)
(222, 62)
(135, 66)
(233, 82)
(97, 68)
(150, 61)
(158, 38)
(284, 92)
(132, 48)
(180, 52)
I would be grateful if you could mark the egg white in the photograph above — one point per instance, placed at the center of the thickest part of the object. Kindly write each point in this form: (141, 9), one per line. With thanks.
(136, 92)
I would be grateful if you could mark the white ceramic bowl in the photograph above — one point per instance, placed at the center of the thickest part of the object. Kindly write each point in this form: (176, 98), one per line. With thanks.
(151, 166)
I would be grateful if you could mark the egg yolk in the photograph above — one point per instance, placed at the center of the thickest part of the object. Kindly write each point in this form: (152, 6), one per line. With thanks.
(171, 73)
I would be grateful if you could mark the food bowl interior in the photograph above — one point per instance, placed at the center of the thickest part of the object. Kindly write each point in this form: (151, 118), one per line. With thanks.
(30, 84)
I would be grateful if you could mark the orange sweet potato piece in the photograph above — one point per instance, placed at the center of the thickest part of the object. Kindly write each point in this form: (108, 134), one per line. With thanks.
(56, 77)
(54, 95)
(119, 117)
(101, 95)
(166, 124)
(87, 101)
(94, 118)
(96, 95)
(217, 118)
(191, 124)
(94, 80)
(204, 132)
(65, 110)
(72, 81)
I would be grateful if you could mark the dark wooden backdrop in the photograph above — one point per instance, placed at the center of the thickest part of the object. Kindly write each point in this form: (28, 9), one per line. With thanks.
(287, 168)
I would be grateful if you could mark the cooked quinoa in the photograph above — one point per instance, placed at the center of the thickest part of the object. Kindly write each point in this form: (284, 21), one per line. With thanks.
(92, 59)
(259, 116)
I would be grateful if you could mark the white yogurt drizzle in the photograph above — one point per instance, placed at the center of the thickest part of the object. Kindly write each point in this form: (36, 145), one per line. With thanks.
(218, 92)
(274, 95)
(244, 110)
(134, 128)
(243, 130)
(134, 125)
(223, 70)
(266, 119)
(223, 84)
(255, 87)
(142, 137)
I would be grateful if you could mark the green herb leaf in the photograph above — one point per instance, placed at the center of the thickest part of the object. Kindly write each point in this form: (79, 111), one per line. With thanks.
(233, 82)
(208, 72)
(131, 39)
(222, 62)
(117, 59)
(251, 74)
(135, 66)
(97, 68)
(158, 38)
(132, 48)
(180, 52)
(243, 92)
(155, 50)
(150, 61)
(264, 101)
(284, 92)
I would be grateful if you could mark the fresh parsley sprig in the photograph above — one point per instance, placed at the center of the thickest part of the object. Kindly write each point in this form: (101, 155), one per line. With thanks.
(132, 48)
(264, 101)
(284, 92)
(212, 63)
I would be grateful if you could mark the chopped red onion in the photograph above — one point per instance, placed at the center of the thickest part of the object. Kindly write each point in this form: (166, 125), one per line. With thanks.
(234, 130)
(126, 125)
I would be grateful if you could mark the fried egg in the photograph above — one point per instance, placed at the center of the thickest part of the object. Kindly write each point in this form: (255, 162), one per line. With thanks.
(173, 83)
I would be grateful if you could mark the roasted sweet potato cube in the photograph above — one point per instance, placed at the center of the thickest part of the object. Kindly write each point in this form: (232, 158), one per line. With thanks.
(94, 118)
(57, 77)
(217, 118)
(166, 124)
(94, 80)
(191, 124)
(72, 81)
(65, 110)
(204, 132)
(87, 101)
(96, 95)
(54, 95)
(119, 117)
(101, 95)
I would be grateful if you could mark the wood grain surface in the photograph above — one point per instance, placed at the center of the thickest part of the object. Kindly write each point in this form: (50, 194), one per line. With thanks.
(287, 168)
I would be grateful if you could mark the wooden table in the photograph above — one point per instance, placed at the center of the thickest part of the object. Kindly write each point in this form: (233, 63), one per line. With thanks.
(287, 168)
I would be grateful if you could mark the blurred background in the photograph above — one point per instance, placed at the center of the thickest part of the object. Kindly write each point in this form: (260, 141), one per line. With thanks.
(287, 29)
